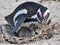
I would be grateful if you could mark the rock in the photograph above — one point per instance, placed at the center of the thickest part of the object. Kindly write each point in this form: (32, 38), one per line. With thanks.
(5, 29)
(2, 38)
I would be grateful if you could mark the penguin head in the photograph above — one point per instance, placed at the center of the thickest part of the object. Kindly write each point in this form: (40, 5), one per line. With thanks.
(42, 16)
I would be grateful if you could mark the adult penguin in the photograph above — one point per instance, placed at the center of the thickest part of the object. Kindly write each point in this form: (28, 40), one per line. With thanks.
(27, 10)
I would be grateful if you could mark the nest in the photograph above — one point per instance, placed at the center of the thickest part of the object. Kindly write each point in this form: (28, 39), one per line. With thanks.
(29, 34)
(23, 36)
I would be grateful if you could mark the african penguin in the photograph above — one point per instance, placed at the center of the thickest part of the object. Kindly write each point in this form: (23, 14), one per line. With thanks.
(27, 11)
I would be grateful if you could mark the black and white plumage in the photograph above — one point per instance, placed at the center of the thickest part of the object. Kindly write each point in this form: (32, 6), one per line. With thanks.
(25, 12)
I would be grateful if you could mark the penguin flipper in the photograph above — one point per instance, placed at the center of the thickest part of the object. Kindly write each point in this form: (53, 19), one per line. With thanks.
(19, 23)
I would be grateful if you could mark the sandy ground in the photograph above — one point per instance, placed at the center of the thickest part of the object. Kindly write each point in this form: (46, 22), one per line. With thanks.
(6, 7)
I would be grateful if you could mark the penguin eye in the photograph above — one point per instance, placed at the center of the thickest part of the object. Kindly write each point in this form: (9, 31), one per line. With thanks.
(46, 14)
(46, 17)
